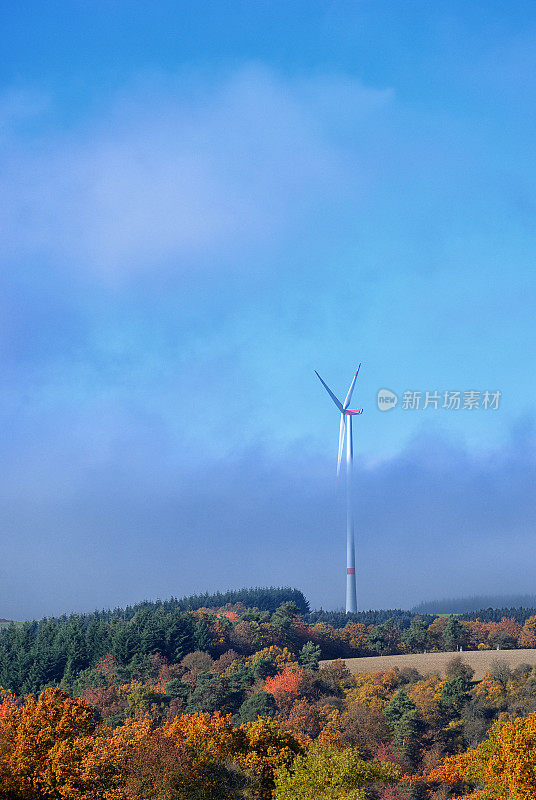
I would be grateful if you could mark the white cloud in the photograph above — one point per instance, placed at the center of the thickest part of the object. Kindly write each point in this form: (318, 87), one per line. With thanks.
(164, 178)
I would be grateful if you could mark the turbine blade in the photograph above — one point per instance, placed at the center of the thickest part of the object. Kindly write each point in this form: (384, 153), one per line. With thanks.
(350, 390)
(328, 390)
(342, 433)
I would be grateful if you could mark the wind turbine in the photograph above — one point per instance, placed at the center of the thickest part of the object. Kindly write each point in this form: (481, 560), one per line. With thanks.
(345, 431)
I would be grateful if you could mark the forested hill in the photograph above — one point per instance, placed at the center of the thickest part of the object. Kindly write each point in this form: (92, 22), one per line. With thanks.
(65, 651)
(263, 599)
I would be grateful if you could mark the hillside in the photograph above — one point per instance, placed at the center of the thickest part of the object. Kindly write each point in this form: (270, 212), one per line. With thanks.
(245, 680)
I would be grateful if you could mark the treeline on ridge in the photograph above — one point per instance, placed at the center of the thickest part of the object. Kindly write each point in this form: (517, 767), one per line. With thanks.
(477, 604)
(267, 598)
(339, 619)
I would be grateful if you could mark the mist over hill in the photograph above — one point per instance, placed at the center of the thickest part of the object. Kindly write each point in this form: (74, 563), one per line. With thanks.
(464, 605)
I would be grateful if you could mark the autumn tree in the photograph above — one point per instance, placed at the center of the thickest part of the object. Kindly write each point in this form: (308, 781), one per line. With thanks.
(329, 773)
(500, 671)
(53, 748)
(360, 727)
(457, 668)
(209, 737)
(280, 656)
(335, 677)
(110, 701)
(305, 720)
(434, 635)
(503, 635)
(354, 634)
(426, 694)
(225, 660)
(488, 690)
(285, 686)
(502, 766)
(195, 663)
(264, 747)
(374, 689)
(527, 637)
(154, 765)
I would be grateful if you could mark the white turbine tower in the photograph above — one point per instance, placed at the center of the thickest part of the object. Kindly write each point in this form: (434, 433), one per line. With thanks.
(346, 432)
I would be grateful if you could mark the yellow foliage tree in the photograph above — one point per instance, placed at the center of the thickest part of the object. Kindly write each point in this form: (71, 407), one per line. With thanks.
(264, 748)
(426, 695)
(354, 634)
(281, 656)
(330, 773)
(374, 689)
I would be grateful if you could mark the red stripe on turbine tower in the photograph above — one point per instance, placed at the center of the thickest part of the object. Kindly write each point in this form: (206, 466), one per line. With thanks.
(350, 571)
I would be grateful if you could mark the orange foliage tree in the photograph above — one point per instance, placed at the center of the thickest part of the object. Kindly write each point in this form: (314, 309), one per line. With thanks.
(488, 689)
(107, 666)
(209, 737)
(305, 720)
(108, 699)
(52, 748)
(154, 765)
(285, 686)
(503, 764)
(258, 747)
(499, 632)
(358, 726)
(527, 637)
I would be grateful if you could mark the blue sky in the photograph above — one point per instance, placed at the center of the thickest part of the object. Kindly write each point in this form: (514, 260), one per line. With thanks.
(203, 203)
